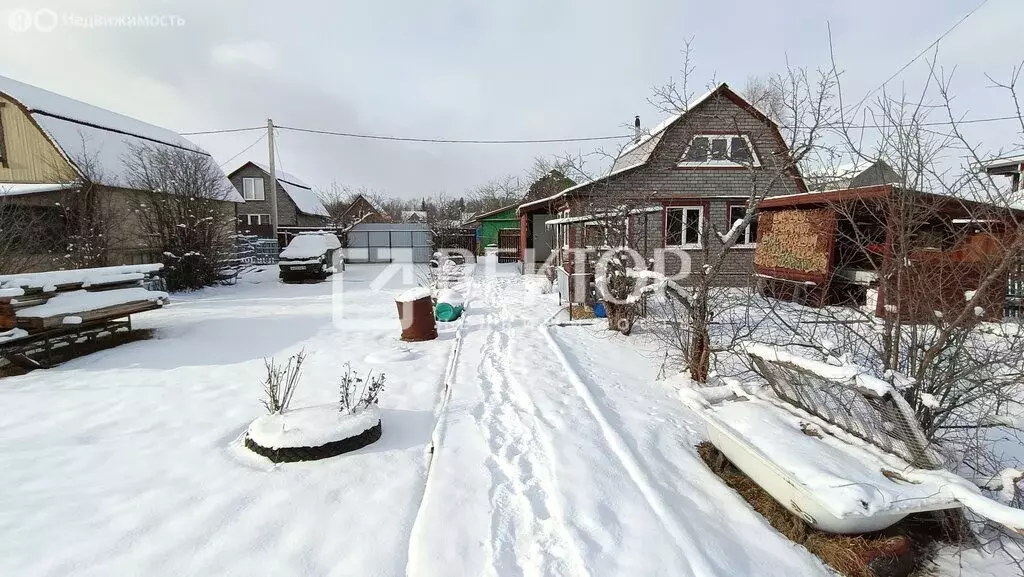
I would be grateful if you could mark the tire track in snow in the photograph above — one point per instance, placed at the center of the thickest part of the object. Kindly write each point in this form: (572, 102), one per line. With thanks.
(683, 536)
(528, 530)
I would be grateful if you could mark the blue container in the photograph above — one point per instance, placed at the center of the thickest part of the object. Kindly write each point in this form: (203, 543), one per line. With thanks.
(599, 311)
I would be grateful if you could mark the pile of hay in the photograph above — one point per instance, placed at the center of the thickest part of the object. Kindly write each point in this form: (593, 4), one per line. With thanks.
(894, 552)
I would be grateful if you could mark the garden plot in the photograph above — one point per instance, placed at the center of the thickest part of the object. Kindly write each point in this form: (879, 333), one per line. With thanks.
(129, 461)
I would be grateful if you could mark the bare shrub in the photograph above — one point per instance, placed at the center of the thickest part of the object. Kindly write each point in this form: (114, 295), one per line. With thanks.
(280, 383)
(356, 393)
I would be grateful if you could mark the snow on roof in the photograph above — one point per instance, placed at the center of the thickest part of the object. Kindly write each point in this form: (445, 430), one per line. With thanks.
(83, 131)
(308, 245)
(305, 199)
(1004, 162)
(301, 193)
(16, 188)
(420, 214)
(280, 174)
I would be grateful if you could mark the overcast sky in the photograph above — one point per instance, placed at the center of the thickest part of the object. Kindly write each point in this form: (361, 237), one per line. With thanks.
(477, 69)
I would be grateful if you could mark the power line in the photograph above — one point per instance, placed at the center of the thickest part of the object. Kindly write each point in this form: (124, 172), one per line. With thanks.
(556, 140)
(244, 150)
(454, 140)
(222, 131)
(919, 55)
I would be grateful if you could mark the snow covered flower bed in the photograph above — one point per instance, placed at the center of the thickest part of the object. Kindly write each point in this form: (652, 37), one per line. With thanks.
(312, 433)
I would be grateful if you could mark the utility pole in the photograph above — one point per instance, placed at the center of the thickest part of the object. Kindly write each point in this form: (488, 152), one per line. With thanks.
(273, 178)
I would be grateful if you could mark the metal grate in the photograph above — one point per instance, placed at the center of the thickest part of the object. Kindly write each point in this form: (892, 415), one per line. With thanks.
(885, 421)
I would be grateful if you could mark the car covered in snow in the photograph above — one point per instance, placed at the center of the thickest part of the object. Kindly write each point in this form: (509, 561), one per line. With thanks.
(310, 256)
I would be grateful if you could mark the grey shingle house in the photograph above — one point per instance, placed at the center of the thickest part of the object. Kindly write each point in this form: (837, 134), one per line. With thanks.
(297, 204)
(689, 177)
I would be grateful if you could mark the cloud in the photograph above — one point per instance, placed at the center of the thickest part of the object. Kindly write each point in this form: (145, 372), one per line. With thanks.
(258, 54)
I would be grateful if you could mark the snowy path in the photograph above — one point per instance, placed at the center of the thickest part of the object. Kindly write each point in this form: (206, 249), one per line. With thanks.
(535, 475)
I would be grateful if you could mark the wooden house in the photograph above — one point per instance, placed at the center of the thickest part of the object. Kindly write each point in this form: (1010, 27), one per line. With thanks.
(55, 150)
(297, 204)
(363, 209)
(684, 180)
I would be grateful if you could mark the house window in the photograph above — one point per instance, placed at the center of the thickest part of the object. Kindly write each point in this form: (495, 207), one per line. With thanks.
(252, 189)
(719, 150)
(684, 226)
(749, 235)
(253, 219)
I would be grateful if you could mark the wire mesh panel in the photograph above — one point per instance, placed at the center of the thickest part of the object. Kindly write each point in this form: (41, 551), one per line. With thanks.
(885, 421)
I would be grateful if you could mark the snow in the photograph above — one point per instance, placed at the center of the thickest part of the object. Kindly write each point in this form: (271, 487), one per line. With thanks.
(81, 301)
(311, 426)
(511, 445)
(310, 245)
(12, 334)
(847, 479)
(87, 276)
(72, 320)
(280, 174)
(6, 293)
(305, 199)
(16, 188)
(451, 297)
(130, 461)
(413, 294)
(929, 400)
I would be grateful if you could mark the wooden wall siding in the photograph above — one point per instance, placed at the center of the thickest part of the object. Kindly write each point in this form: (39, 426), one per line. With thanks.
(31, 155)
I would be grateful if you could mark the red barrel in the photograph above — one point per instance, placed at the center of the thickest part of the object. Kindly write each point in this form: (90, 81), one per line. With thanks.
(417, 317)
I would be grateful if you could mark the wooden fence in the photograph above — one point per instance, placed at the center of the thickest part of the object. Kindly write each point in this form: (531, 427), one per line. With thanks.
(508, 245)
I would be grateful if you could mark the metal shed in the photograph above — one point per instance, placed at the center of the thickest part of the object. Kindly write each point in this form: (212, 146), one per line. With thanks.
(386, 242)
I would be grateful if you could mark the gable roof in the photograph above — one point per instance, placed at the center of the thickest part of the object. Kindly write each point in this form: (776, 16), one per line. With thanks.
(306, 201)
(489, 213)
(78, 129)
(368, 201)
(417, 214)
(639, 153)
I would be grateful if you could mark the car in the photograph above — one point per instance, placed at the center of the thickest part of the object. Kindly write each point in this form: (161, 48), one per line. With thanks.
(310, 256)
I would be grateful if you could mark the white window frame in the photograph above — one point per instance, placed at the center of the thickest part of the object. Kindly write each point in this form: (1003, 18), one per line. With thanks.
(562, 233)
(748, 242)
(260, 219)
(700, 226)
(249, 188)
(726, 163)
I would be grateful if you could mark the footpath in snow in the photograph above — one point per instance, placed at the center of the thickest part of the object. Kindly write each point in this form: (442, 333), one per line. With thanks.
(562, 456)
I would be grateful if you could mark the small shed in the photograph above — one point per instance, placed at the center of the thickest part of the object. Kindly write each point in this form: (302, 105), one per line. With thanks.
(844, 247)
(489, 223)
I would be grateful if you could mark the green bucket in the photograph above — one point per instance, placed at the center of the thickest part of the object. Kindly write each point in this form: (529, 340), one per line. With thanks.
(447, 313)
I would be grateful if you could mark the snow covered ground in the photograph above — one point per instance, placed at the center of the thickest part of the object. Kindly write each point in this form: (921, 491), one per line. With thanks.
(556, 451)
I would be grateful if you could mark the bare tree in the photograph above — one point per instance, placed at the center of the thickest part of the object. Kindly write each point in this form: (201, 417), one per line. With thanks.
(806, 109)
(186, 217)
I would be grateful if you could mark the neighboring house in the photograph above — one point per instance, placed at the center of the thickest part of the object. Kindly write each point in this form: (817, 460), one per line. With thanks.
(1011, 167)
(414, 216)
(489, 223)
(363, 209)
(856, 175)
(297, 204)
(53, 147)
(688, 177)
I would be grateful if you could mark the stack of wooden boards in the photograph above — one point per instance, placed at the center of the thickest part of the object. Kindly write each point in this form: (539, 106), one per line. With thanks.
(36, 302)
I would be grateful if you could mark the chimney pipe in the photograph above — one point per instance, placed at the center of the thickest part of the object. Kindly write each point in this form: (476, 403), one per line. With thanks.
(636, 129)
